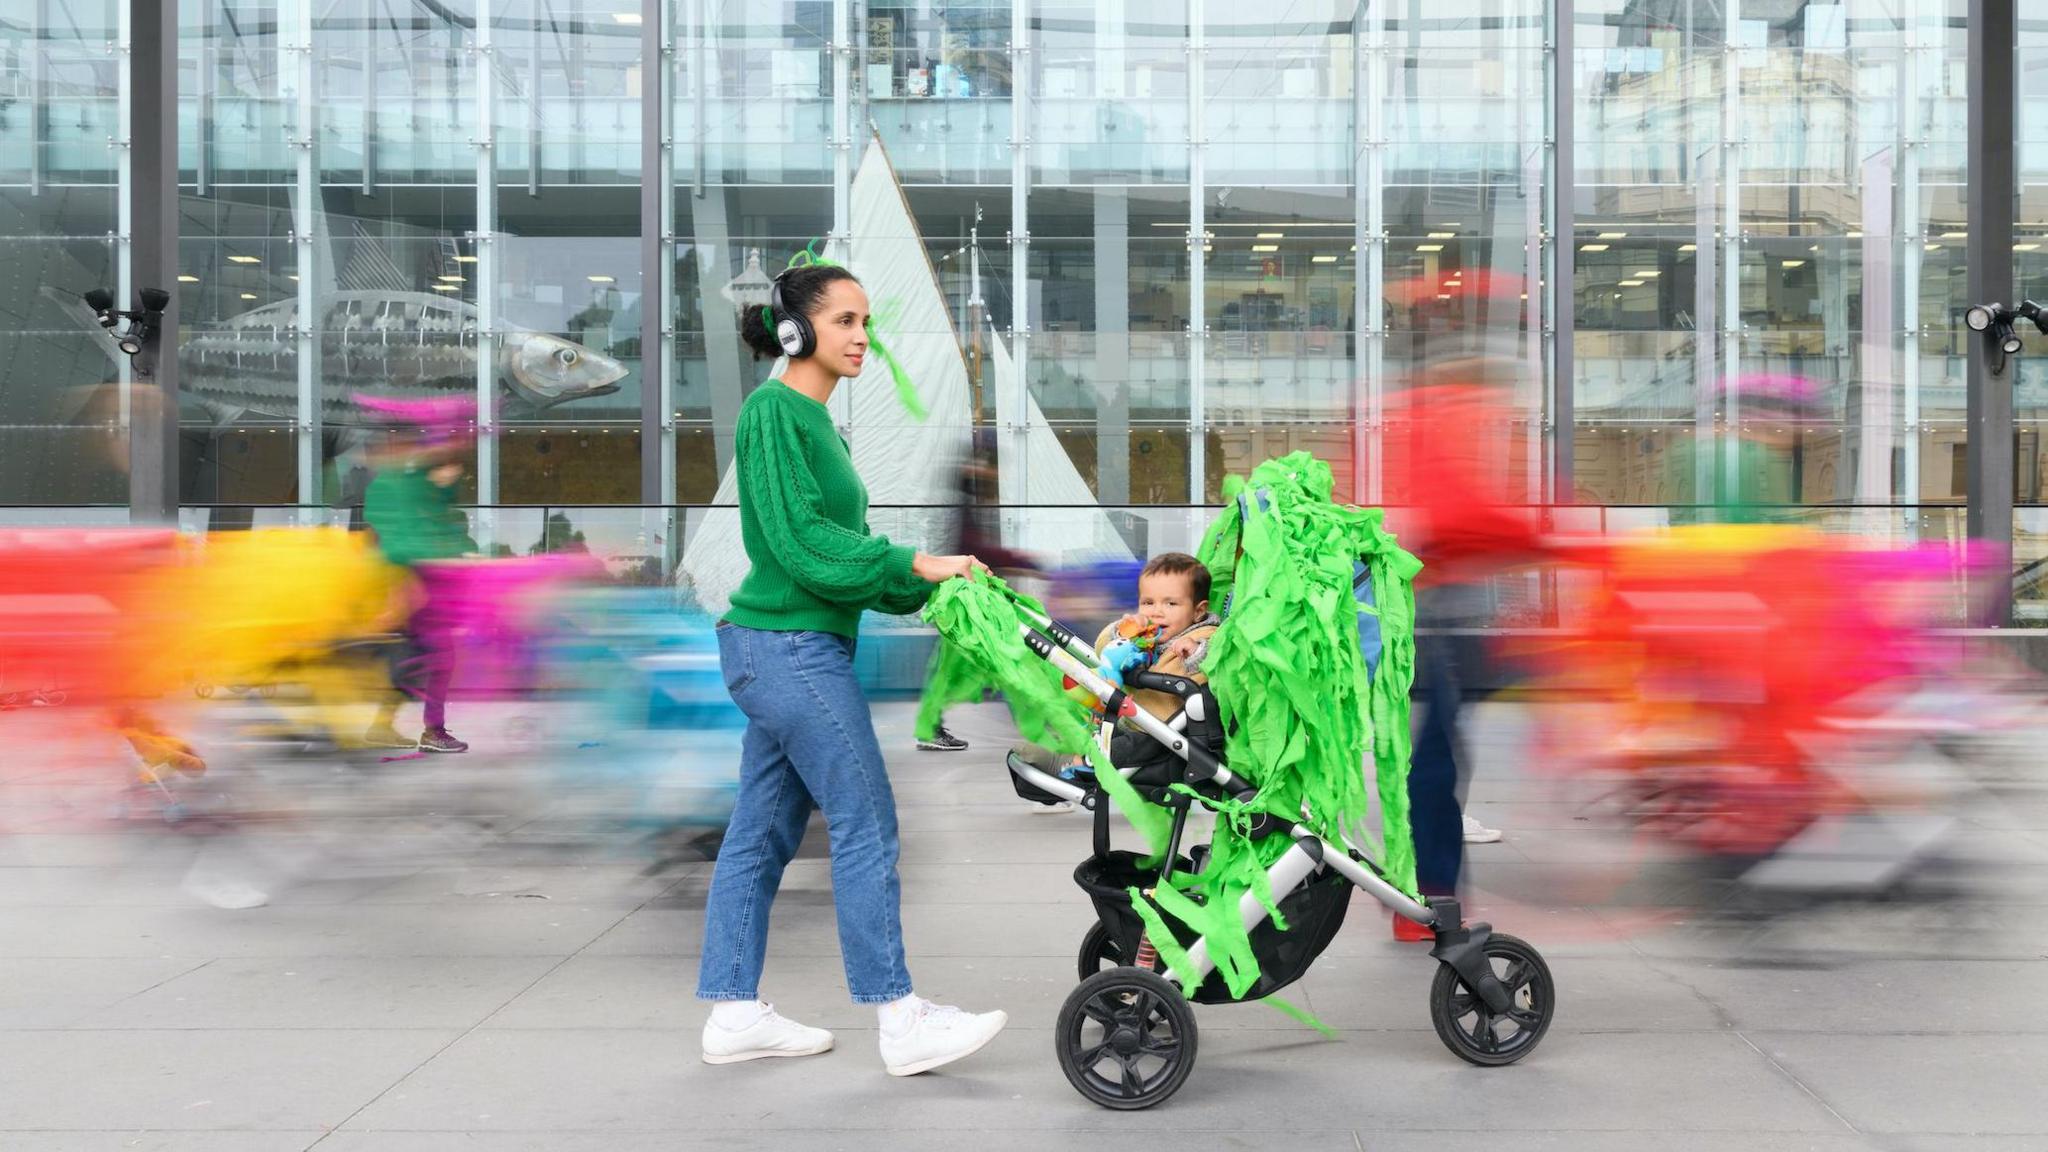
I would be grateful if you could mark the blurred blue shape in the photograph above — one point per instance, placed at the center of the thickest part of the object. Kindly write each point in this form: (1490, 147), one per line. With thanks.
(646, 670)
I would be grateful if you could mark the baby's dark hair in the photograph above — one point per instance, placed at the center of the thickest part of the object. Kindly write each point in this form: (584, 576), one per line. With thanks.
(1180, 564)
(803, 292)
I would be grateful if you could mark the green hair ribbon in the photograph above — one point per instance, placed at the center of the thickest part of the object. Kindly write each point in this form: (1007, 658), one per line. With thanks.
(906, 392)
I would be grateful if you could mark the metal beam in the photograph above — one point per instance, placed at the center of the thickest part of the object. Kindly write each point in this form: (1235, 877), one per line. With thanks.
(657, 183)
(484, 137)
(1990, 201)
(1368, 241)
(1016, 443)
(297, 79)
(153, 117)
(1560, 298)
(1198, 270)
(1728, 450)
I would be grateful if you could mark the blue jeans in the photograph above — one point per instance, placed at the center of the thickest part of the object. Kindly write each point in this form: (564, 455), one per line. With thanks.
(810, 743)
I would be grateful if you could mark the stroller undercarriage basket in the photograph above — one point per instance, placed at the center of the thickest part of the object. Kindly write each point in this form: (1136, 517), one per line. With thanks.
(1313, 914)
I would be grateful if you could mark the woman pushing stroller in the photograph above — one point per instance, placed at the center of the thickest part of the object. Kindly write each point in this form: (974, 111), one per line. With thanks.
(786, 651)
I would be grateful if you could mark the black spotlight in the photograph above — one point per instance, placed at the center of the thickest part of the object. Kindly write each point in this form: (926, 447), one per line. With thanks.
(2008, 340)
(133, 331)
(2031, 311)
(101, 302)
(1981, 317)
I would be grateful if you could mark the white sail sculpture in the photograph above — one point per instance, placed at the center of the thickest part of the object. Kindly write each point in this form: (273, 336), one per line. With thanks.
(1066, 523)
(909, 464)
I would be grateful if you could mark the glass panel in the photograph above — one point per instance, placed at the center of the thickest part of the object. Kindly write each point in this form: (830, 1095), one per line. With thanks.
(566, 133)
(1462, 282)
(1807, 279)
(61, 436)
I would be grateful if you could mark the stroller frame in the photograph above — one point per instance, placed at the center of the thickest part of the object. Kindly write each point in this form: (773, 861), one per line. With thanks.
(1145, 1012)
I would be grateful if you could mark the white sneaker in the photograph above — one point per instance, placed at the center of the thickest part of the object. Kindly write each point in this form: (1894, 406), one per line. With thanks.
(1477, 833)
(1049, 809)
(936, 1035)
(771, 1035)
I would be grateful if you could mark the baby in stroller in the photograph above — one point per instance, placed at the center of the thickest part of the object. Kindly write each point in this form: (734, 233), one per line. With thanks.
(1169, 634)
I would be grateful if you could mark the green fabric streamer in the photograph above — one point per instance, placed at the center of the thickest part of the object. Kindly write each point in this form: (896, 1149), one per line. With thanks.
(1297, 701)
(951, 679)
(1301, 1016)
(884, 314)
(905, 390)
(977, 623)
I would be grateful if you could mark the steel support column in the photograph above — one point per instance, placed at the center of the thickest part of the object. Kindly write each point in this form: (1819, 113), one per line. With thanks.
(1198, 241)
(657, 266)
(1990, 193)
(1559, 298)
(153, 119)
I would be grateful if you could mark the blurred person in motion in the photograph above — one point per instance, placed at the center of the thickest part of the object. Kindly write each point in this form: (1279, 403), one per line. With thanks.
(410, 505)
(786, 648)
(977, 533)
(1449, 448)
(1751, 474)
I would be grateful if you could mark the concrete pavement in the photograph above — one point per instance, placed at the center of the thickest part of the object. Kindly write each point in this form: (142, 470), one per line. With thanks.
(530, 989)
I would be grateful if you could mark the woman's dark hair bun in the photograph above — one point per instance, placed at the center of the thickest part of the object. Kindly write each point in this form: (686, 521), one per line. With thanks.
(803, 292)
(758, 330)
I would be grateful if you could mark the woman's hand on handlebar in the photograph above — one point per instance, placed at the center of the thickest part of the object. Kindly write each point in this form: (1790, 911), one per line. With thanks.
(937, 568)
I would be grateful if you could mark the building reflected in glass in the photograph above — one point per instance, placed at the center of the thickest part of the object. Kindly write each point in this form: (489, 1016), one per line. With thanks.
(1203, 233)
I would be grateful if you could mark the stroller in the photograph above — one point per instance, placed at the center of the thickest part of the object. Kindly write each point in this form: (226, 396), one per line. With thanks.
(1126, 1037)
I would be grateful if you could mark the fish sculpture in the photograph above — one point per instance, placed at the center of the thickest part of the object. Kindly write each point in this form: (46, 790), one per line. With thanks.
(392, 343)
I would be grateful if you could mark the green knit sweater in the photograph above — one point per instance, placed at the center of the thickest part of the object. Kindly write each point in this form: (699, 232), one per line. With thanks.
(803, 519)
(415, 519)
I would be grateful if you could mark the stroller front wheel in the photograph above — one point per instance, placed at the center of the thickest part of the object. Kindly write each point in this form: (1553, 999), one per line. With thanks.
(1476, 1033)
(1126, 1038)
(1098, 951)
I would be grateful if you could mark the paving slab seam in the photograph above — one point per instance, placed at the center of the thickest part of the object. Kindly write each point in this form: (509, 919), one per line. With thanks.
(1661, 1134)
(472, 1029)
(130, 996)
(1722, 1014)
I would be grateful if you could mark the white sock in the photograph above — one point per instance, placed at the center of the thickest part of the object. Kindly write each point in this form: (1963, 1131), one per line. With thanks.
(896, 1015)
(737, 1015)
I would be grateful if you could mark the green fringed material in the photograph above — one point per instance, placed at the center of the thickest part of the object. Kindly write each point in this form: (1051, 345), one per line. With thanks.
(1301, 1016)
(1296, 698)
(884, 315)
(951, 679)
(1298, 702)
(979, 641)
(905, 390)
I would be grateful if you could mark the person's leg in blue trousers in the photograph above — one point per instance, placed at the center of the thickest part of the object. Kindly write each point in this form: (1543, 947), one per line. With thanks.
(810, 742)
(1433, 810)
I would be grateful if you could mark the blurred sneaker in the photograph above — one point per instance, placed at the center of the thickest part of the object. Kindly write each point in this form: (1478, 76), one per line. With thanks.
(385, 736)
(438, 740)
(1061, 806)
(942, 741)
(771, 1034)
(921, 1036)
(1477, 833)
(1409, 932)
(224, 892)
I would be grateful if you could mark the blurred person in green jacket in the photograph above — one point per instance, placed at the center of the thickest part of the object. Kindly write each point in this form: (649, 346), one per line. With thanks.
(410, 505)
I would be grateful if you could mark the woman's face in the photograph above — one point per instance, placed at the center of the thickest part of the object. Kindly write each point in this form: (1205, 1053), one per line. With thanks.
(841, 324)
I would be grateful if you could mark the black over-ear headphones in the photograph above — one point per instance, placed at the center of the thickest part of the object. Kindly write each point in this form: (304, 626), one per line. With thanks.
(792, 329)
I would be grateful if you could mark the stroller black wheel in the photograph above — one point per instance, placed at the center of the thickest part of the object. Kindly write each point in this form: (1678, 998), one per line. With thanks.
(1099, 951)
(1126, 1038)
(1479, 1035)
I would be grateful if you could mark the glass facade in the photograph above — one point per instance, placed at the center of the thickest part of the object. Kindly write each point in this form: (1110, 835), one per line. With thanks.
(62, 220)
(1714, 249)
